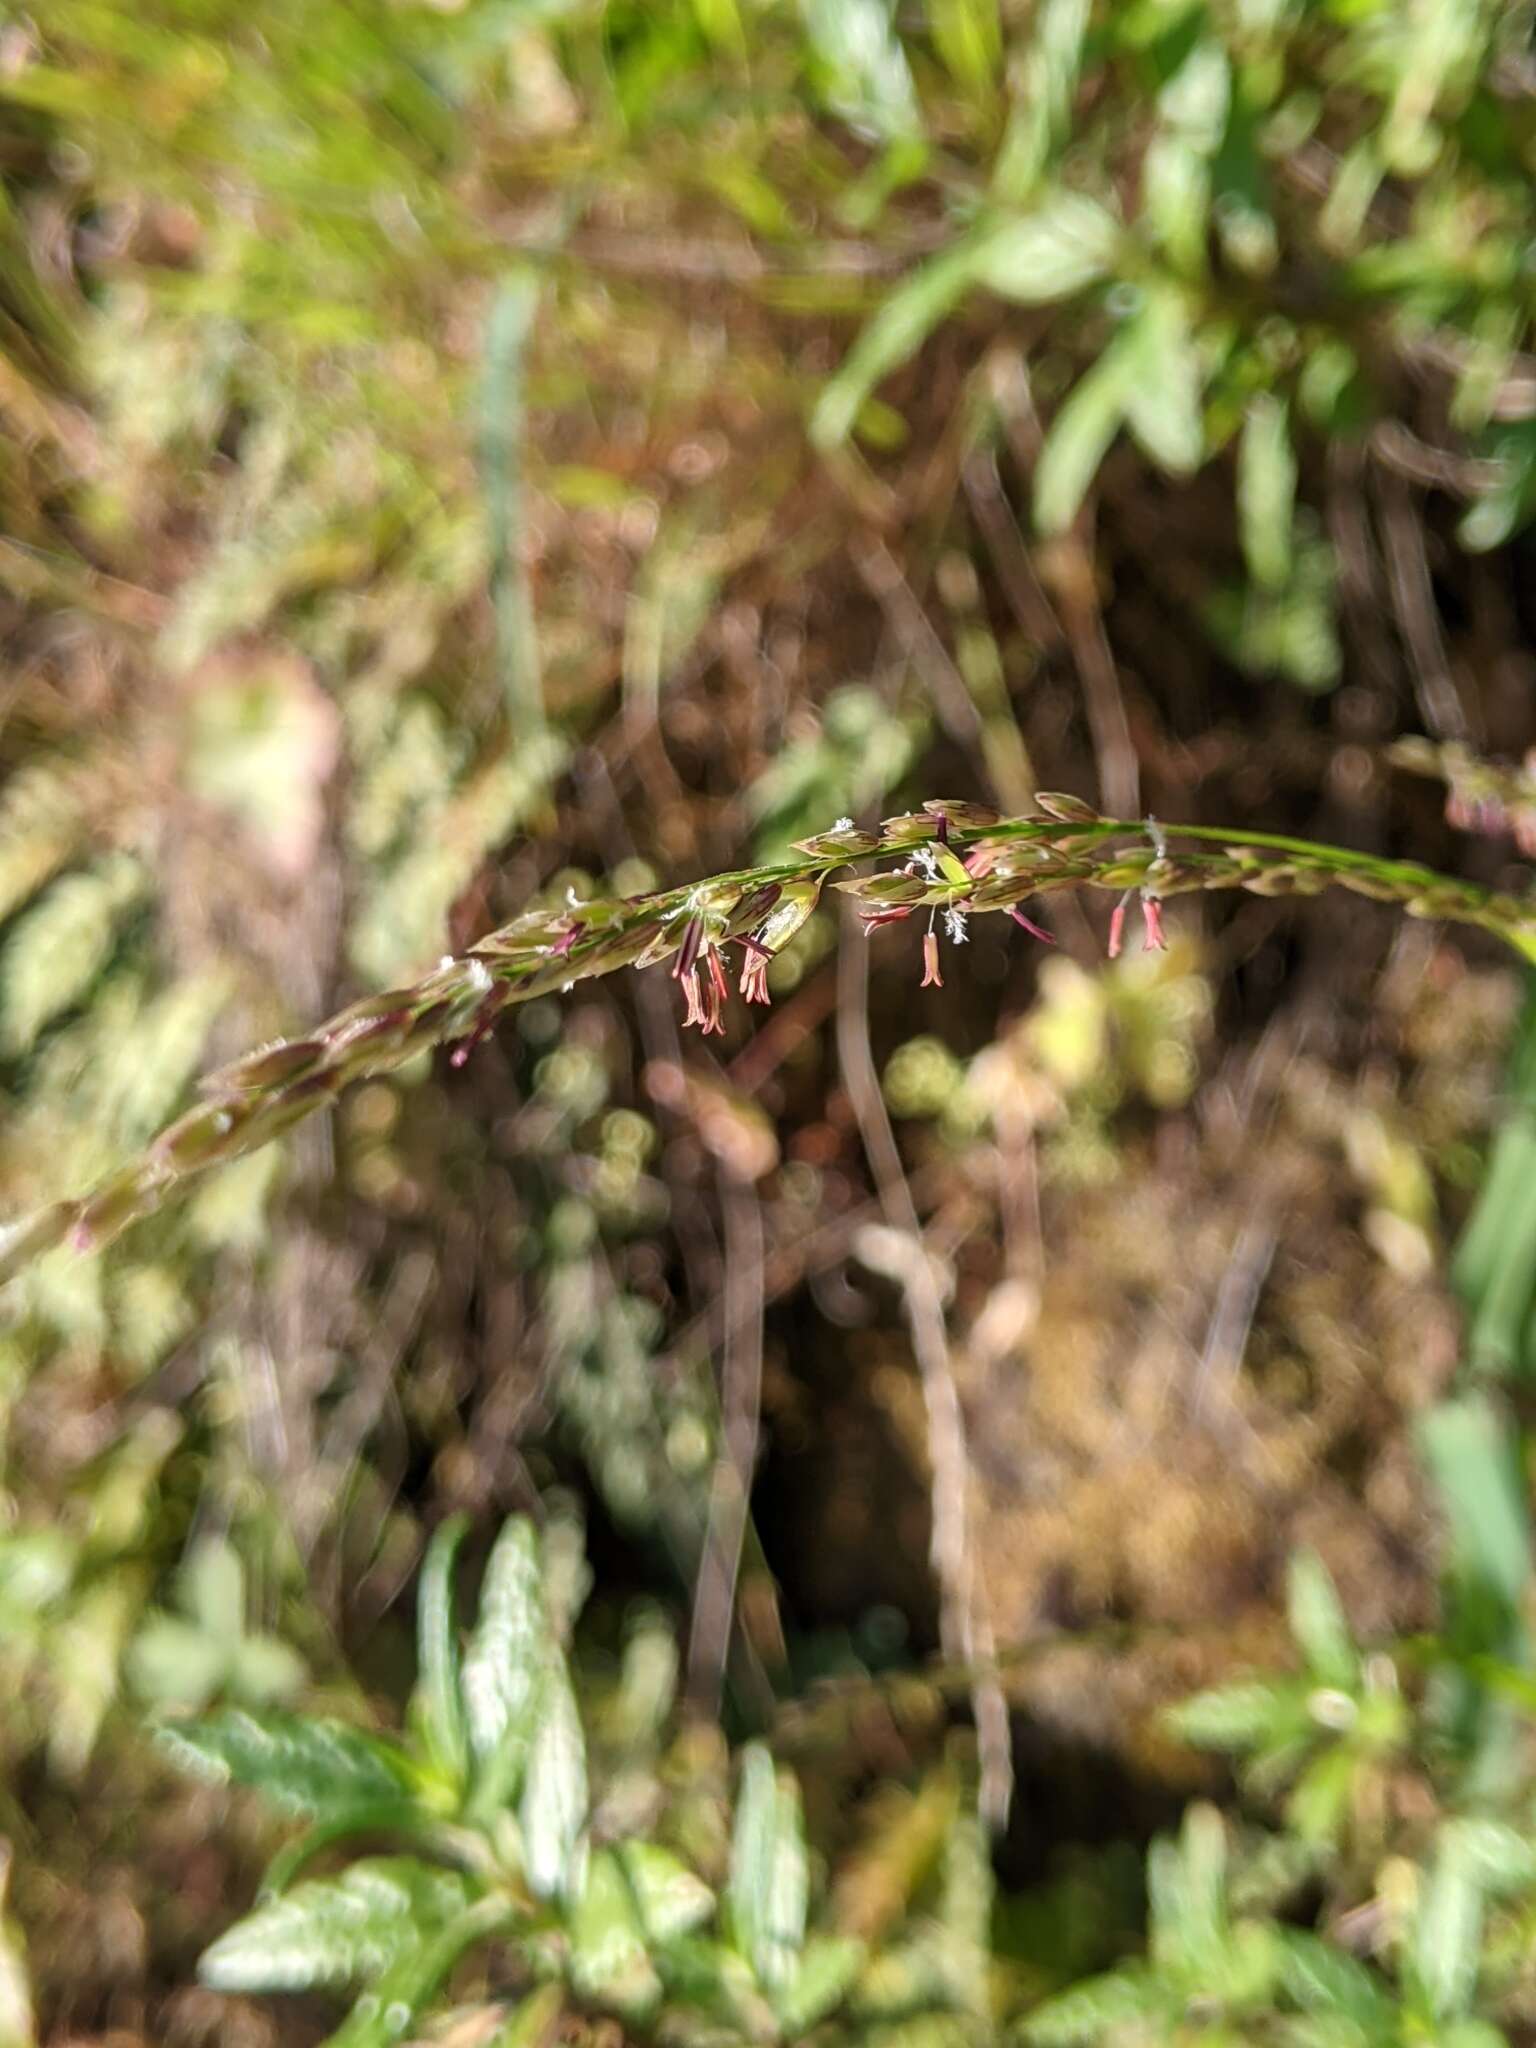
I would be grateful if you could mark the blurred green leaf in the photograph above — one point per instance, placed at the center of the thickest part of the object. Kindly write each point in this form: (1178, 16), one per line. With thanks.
(1318, 1623)
(1059, 247)
(1096, 2009)
(1447, 1930)
(336, 1931)
(1266, 491)
(56, 950)
(968, 36)
(17, 2020)
(670, 1899)
(553, 1809)
(301, 1765)
(1471, 1459)
(438, 1701)
(1323, 1978)
(504, 1662)
(610, 1963)
(1235, 1717)
(1164, 379)
(1186, 1895)
(1080, 435)
(862, 65)
(907, 315)
(824, 1975)
(769, 1879)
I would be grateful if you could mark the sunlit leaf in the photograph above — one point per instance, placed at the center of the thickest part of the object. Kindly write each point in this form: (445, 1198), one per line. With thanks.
(504, 1661)
(769, 1880)
(1447, 1929)
(1318, 1623)
(1236, 1717)
(553, 1809)
(1322, 1977)
(610, 1963)
(438, 1702)
(1062, 245)
(336, 1931)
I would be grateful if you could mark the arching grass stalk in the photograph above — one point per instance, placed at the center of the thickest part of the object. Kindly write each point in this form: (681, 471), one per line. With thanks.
(953, 861)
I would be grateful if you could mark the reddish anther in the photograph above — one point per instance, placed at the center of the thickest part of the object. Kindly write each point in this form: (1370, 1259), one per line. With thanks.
(717, 974)
(931, 975)
(1152, 921)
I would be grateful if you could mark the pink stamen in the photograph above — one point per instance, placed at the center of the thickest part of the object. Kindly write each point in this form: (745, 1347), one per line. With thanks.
(1152, 921)
(693, 995)
(931, 975)
(893, 913)
(1033, 929)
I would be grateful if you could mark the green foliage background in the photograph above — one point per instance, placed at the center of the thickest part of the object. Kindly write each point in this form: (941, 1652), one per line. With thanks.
(459, 455)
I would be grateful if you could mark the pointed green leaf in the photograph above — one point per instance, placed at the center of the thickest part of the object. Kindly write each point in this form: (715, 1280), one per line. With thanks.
(1448, 1931)
(1059, 247)
(610, 1964)
(1500, 1858)
(1234, 1717)
(863, 65)
(1319, 1804)
(769, 1878)
(302, 1765)
(1323, 1978)
(968, 36)
(439, 1705)
(553, 1809)
(501, 1666)
(501, 1675)
(1266, 491)
(1176, 200)
(1186, 1894)
(907, 316)
(336, 1931)
(1472, 1462)
(1042, 112)
(1162, 395)
(1318, 1623)
(1079, 438)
